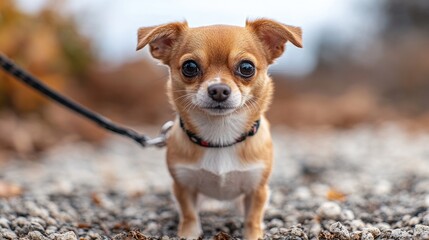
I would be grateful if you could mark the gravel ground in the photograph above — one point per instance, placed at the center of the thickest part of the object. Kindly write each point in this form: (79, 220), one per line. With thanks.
(365, 183)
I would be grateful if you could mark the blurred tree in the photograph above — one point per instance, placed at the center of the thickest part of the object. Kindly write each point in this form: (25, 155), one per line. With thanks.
(48, 45)
(406, 52)
(394, 63)
(406, 16)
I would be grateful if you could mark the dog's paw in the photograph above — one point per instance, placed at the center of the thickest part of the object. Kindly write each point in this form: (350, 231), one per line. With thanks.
(190, 230)
(253, 233)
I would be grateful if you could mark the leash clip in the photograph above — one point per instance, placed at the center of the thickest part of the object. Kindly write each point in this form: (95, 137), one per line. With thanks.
(161, 139)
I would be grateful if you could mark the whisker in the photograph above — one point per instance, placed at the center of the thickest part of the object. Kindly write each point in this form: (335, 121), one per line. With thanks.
(183, 96)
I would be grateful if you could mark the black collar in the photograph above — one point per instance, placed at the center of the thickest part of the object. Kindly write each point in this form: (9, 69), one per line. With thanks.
(197, 140)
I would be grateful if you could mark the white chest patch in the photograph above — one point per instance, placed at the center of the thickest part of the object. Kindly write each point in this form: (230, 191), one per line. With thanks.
(220, 174)
(223, 130)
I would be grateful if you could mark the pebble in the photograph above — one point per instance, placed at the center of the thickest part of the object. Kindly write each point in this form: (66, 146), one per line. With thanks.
(329, 210)
(151, 216)
(302, 193)
(36, 211)
(39, 221)
(382, 188)
(276, 223)
(152, 226)
(373, 230)
(413, 221)
(357, 224)
(94, 235)
(406, 218)
(51, 229)
(21, 222)
(36, 235)
(339, 231)
(298, 232)
(274, 230)
(356, 235)
(422, 186)
(347, 215)
(400, 234)
(383, 226)
(367, 236)
(319, 189)
(66, 236)
(421, 232)
(37, 226)
(315, 229)
(8, 234)
(4, 223)
(425, 219)
(277, 197)
(51, 221)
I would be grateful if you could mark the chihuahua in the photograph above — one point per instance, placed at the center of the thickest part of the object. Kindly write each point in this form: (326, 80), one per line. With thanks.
(220, 145)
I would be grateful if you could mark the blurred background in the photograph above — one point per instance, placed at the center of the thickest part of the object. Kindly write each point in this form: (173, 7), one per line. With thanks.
(363, 63)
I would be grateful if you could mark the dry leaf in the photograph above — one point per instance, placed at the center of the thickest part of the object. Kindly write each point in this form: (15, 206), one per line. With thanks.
(135, 235)
(222, 236)
(122, 226)
(335, 195)
(84, 225)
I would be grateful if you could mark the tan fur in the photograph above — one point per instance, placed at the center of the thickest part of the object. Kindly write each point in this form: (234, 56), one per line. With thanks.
(218, 50)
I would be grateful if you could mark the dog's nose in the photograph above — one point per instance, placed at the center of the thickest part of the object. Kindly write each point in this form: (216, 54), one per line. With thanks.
(219, 92)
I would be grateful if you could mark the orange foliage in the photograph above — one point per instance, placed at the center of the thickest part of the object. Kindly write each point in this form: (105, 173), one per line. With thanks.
(45, 44)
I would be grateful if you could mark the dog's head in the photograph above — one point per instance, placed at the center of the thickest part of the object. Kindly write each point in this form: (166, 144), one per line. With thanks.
(219, 69)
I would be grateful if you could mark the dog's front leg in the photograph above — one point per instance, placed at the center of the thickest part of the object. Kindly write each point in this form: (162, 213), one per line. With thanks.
(189, 225)
(255, 203)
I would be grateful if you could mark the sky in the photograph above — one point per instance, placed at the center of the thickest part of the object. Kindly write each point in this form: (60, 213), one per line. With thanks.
(113, 24)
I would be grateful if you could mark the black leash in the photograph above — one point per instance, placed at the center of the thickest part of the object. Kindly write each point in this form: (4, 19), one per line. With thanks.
(103, 122)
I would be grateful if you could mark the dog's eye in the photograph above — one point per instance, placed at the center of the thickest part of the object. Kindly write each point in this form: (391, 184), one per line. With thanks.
(246, 69)
(190, 69)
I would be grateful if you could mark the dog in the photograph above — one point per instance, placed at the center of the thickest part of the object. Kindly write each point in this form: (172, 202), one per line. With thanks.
(220, 145)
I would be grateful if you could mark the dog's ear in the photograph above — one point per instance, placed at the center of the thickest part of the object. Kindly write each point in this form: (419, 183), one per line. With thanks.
(160, 38)
(274, 36)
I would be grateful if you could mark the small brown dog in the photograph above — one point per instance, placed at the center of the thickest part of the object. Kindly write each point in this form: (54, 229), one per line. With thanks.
(220, 145)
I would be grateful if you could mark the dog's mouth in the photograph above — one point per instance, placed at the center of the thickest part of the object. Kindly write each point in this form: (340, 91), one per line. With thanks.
(219, 109)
